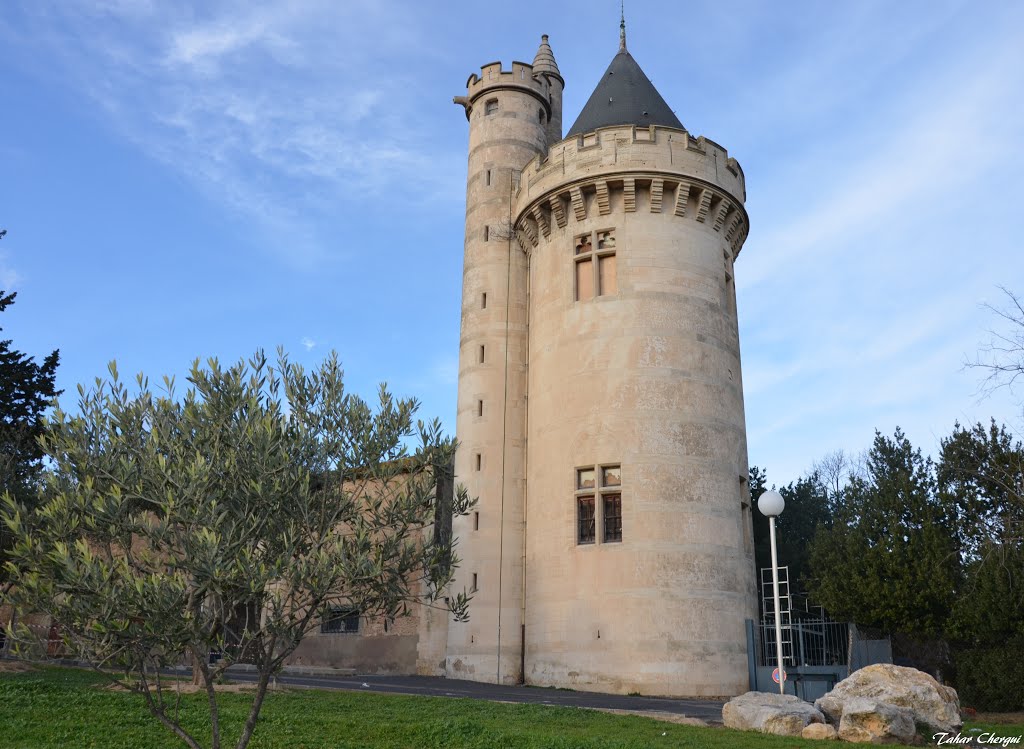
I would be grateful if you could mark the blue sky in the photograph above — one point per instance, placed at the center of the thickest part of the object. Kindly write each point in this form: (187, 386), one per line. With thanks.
(202, 179)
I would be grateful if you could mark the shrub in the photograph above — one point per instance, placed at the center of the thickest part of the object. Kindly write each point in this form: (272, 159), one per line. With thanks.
(992, 679)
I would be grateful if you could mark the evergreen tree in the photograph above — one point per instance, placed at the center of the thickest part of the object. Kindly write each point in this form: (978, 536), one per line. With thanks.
(981, 471)
(758, 482)
(26, 389)
(891, 559)
(807, 507)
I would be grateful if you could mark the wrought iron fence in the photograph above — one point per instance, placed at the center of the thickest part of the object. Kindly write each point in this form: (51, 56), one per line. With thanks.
(809, 636)
(820, 642)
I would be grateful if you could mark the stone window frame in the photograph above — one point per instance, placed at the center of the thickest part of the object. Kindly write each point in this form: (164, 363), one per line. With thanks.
(592, 501)
(341, 620)
(491, 106)
(593, 247)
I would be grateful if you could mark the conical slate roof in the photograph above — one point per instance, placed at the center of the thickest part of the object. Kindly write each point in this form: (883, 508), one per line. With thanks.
(624, 96)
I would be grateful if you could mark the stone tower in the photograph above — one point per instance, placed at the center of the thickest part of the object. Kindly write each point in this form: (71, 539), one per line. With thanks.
(600, 404)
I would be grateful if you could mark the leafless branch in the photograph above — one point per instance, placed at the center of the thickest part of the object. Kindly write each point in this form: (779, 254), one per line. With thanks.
(1001, 357)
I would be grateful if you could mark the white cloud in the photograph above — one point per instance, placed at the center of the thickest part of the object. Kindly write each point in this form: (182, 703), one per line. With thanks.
(200, 46)
(277, 110)
(445, 371)
(953, 141)
(837, 56)
(9, 278)
(874, 235)
(308, 343)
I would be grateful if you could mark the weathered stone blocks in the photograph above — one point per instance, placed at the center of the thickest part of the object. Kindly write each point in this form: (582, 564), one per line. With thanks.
(869, 721)
(779, 714)
(932, 704)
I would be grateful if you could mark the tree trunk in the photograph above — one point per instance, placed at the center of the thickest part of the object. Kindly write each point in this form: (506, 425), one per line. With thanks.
(10, 627)
(254, 711)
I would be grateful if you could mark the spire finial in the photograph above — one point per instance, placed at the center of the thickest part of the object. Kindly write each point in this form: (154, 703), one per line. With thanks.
(622, 26)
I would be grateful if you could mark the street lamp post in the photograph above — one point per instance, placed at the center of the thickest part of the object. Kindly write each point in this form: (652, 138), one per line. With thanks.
(771, 504)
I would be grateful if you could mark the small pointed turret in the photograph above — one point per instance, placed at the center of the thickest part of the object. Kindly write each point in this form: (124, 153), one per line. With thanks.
(544, 65)
(544, 61)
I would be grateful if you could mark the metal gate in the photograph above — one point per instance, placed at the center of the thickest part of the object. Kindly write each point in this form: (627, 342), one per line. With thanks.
(817, 652)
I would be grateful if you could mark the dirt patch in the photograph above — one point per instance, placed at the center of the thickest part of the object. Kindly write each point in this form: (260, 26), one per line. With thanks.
(656, 715)
(190, 688)
(1013, 719)
(15, 667)
(226, 688)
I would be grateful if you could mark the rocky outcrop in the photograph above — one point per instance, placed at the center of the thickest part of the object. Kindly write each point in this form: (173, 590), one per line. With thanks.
(819, 732)
(780, 714)
(930, 703)
(874, 722)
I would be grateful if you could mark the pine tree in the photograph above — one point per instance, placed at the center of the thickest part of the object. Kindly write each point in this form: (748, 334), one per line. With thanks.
(891, 559)
(26, 389)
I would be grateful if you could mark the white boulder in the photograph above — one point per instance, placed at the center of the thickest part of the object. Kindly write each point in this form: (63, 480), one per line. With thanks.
(779, 714)
(931, 704)
(819, 732)
(868, 721)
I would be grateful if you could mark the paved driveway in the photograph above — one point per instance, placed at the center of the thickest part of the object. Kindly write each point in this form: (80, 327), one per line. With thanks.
(709, 710)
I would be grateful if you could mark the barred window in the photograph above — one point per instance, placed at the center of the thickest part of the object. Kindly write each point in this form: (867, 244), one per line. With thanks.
(612, 507)
(340, 620)
(598, 497)
(585, 520)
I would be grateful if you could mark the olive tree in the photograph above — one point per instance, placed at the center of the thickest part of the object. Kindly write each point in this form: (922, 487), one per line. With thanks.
(229, 519)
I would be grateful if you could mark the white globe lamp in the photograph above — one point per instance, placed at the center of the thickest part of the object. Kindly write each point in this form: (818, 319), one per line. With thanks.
(771, 504)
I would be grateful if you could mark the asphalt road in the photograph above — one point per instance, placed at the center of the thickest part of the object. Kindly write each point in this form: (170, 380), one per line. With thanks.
(709, 710)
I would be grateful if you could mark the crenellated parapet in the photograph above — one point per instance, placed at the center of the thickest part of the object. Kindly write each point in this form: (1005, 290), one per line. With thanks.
(694, 179)
(493, 78)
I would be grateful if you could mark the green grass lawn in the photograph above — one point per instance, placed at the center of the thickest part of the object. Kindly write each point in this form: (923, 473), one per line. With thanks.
(70, 708)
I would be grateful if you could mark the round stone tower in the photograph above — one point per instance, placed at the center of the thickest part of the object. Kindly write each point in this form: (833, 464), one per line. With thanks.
(622, 484)
(514, 115)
